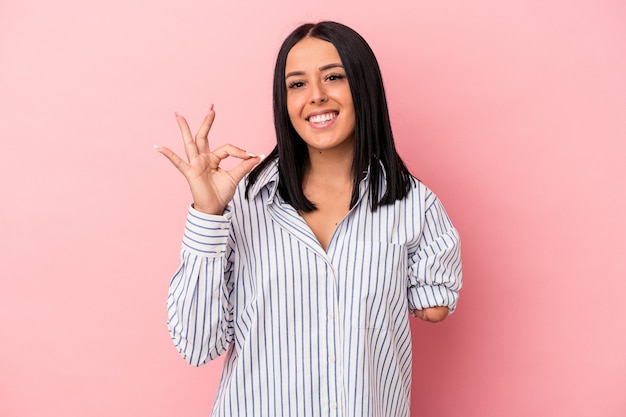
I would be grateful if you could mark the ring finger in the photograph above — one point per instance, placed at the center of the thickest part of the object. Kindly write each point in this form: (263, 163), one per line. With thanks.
(190, 146)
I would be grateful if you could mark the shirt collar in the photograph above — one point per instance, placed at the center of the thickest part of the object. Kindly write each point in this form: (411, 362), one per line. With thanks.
(267, 178)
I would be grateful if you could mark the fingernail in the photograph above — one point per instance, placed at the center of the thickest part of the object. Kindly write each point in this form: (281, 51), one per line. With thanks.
(251, 154)
(176, 114)
(262, 157)
(211, 107)
(156, 147)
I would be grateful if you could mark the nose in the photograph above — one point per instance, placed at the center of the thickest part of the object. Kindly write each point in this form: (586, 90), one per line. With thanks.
(318, 95)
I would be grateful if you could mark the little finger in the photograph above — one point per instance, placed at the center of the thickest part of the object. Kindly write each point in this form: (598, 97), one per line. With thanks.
(181, 165)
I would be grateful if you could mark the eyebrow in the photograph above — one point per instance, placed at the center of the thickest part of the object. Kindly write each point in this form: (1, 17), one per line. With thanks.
(322, 68)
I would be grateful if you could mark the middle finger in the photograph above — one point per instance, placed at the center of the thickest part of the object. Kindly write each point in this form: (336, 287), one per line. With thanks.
(202, 137)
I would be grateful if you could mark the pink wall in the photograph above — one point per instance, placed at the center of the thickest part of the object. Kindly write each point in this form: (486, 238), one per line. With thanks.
(514, 112)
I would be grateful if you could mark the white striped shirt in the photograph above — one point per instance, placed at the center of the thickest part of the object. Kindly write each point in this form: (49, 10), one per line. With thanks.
(310, 332)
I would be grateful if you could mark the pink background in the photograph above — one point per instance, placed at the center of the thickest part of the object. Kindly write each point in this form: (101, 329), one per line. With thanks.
(513, 112)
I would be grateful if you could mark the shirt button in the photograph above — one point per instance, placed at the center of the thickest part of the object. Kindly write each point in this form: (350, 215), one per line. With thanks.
(224, 226)
(333, 405)
(331, 358)
(331, 316)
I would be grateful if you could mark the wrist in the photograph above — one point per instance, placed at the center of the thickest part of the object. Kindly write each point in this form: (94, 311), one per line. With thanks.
(208, 209)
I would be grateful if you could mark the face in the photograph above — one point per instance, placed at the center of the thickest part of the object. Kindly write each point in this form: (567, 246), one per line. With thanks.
(319, 101)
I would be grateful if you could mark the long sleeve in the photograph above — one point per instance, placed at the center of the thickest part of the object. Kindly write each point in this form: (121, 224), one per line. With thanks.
(435, 274)
(199, 311)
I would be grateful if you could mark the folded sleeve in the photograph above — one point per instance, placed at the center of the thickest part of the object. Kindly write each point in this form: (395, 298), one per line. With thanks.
(435, 273)
(199, 310)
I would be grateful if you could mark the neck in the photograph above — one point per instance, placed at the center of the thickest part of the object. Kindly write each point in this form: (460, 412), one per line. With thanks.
(333, 165)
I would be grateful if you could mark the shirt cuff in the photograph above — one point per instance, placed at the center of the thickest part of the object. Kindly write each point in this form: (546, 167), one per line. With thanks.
(207, 234)
(432, 296)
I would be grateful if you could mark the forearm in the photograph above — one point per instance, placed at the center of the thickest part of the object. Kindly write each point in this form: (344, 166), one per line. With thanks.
(199, 313)
(436, 273)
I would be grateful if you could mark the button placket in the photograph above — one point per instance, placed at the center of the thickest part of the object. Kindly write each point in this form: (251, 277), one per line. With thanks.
(333, 339)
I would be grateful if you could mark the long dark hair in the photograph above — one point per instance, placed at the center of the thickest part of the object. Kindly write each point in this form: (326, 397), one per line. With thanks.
(374, 149)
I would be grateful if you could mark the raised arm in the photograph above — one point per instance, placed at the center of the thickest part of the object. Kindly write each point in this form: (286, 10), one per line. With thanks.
(199, 306)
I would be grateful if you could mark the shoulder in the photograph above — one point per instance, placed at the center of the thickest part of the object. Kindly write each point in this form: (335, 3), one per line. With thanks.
(418, 191)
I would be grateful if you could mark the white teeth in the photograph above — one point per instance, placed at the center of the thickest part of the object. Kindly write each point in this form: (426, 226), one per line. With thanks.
(322, 117)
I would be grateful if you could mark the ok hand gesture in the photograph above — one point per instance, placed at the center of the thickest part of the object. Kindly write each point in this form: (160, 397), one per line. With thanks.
(212, 187)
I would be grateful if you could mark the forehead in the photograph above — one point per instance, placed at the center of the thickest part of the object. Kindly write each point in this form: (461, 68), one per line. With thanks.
(311, 53)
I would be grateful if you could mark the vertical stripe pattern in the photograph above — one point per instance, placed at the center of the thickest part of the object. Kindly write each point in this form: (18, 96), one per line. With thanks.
(309, 332)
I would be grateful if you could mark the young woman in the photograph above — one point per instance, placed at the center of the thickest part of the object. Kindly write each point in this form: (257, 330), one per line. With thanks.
(304, 273)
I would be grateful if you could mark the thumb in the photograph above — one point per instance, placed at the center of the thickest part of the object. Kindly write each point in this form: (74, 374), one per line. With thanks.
(245, 166)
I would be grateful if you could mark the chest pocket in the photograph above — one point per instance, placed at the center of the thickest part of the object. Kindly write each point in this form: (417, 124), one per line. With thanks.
(375, 284)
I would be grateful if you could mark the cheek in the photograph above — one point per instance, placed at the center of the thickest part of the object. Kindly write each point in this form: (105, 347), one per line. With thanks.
(292, 117)
(293, 107)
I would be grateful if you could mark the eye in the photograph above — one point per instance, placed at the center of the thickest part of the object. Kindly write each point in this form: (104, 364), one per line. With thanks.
(295, 84)
(335, 77)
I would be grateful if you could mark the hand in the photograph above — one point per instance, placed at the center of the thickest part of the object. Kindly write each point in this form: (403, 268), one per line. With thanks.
(212, 188)
(432, 314)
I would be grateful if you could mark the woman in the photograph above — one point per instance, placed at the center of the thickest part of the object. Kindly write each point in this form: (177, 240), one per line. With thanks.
(304, 272)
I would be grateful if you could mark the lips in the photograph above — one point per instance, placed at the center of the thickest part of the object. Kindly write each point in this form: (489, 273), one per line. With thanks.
(322, 119)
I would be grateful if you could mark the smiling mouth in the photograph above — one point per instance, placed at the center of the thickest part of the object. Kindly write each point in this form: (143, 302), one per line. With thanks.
(322, 118)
